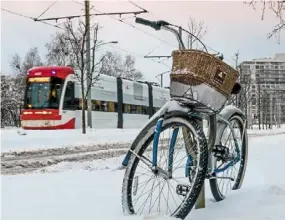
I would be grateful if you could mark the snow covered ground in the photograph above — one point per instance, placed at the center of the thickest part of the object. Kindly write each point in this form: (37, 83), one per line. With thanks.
(92, 190)
(12, 140)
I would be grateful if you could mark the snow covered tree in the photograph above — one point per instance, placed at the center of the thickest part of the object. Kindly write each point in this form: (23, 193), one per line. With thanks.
(11, 101)
(13, 86)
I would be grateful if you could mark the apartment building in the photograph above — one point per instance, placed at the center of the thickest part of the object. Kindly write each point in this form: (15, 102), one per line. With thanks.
(266, 94)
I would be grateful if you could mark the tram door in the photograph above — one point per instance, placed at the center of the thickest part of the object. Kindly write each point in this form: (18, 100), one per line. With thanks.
(68, 108)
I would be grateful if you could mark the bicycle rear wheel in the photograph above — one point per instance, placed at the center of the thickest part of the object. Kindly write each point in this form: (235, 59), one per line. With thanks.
(221, 186)
(147, 192)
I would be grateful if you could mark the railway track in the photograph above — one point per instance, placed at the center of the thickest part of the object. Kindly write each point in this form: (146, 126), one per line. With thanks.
(17, 162)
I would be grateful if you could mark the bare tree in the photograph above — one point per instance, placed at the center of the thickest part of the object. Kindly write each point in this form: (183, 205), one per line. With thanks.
(196, 28)
(75, 40)
(31, 59)
(259, 111)
(59, 50)
(114, 65)
(244, 98)
(275, 6)
(245, 95)
(129, 70)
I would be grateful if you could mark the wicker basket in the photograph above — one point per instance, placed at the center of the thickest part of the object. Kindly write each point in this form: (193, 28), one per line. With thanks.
(194, 68)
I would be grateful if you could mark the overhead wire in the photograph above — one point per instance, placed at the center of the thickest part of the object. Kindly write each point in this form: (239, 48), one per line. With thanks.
(211, 48)
(137, 54)
(57, 26)
(47, 9)
(31, 18)
(153, 49)
(133, 26)
(121, 20)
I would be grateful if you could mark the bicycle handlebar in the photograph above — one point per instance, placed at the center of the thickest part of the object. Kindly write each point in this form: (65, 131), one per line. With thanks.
(158, 25)
(152, 24)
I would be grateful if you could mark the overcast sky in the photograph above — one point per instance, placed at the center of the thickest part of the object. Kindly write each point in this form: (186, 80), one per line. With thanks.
(232, 26)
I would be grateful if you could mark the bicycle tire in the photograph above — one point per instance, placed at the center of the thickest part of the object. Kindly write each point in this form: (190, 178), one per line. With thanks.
(145, 137)
(216, 192)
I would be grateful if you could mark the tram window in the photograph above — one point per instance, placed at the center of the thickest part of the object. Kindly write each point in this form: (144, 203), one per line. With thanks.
(127, 108)
(135, 109)
(41, 95)
(103, 106)
(155, 109)
(111, 107)
(96, 105)
(55, 92)
(80, 104)
(145, 110)
(116, 106)
(69, 102)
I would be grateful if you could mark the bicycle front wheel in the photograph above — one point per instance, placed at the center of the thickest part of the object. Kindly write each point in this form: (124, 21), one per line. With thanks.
(174, 188)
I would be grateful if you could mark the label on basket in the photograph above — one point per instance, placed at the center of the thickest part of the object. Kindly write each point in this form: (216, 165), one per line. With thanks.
(220, 76)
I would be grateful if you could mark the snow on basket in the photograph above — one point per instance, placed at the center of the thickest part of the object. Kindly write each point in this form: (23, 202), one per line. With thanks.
(199, 77)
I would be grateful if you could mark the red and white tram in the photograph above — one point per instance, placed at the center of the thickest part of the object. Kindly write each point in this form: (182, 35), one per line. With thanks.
(53, 100)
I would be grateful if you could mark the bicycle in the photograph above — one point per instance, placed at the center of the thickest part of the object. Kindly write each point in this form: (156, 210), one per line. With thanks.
(201, 161)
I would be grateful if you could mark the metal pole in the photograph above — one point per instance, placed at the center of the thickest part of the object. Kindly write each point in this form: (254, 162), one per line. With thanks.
(161, 80)
(180, 34)
(88, 58)
(271, 110)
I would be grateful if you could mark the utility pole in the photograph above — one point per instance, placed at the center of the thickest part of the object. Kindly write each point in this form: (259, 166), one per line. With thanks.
(88, 58)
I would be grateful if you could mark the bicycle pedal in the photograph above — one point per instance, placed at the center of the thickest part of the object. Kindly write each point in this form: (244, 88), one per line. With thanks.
(182, 189)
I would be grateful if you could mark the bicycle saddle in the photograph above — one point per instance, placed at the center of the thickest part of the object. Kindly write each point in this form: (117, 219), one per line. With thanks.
(236, 89)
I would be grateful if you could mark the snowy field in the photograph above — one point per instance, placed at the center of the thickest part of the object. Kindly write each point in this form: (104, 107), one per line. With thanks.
(24, 140)
(19, 139)
(92, 190)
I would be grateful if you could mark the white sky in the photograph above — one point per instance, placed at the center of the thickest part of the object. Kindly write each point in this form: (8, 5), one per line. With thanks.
(232, 26)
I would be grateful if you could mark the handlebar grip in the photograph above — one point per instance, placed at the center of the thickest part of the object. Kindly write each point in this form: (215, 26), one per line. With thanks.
(153, 24)
(143, 21)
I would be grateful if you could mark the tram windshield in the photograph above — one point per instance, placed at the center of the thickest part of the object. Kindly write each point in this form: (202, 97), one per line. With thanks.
(43, 92)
